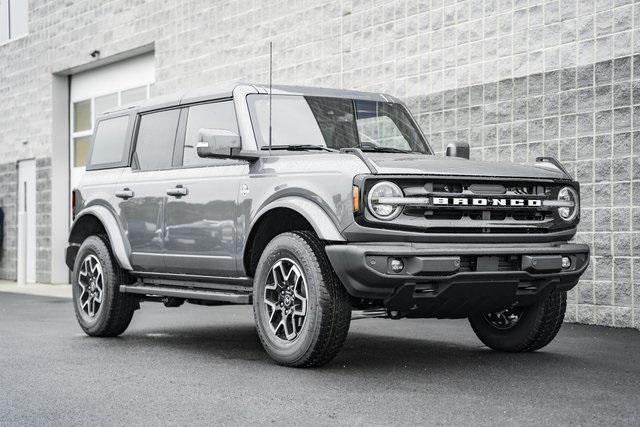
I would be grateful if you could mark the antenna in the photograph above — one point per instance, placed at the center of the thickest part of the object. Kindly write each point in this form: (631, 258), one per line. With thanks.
(270, 82)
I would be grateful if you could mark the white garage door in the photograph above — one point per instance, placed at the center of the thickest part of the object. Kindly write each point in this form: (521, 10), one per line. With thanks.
(96, 91)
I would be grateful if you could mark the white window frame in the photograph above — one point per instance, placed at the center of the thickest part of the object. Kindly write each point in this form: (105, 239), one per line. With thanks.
(89, 132)
(6, 16)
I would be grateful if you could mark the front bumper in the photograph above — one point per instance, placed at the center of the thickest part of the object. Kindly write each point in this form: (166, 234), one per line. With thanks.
(456, 280)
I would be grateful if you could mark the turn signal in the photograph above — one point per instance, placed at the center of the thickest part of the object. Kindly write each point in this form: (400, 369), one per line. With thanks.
(356, 199)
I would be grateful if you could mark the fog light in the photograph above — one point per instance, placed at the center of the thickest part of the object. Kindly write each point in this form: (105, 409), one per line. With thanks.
(566, 262)
(396, 265)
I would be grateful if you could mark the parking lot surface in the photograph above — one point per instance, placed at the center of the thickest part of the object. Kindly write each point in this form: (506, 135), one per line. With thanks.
(204, 365)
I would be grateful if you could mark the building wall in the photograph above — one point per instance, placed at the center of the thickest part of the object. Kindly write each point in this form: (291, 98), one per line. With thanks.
(514, 78)
(8, 202)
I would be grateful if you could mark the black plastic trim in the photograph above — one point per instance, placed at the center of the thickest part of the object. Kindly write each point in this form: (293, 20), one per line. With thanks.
(350, 262)
(196, 294)
(180, 279)
(359, 233)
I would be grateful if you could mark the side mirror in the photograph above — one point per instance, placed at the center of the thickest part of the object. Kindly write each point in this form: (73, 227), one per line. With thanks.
(213, 142)
(458, 149)
(223, 144)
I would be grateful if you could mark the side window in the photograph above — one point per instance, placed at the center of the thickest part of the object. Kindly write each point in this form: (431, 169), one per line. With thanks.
(217, 115)
(110, 143)
(156, 137)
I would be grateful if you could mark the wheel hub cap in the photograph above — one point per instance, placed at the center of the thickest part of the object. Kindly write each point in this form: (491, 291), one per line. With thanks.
(285, 298)
(91, 284)
(504, 319)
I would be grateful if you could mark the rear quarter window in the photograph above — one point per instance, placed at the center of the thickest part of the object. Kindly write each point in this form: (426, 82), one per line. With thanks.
(156, 139)
(110, 144)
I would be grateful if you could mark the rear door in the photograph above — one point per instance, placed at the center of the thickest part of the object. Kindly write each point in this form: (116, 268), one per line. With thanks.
(142, 188)
(201, 212)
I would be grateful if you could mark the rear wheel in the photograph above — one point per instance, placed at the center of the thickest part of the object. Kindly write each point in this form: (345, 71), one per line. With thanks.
(302, 311)
(522, 329)
(101, 309)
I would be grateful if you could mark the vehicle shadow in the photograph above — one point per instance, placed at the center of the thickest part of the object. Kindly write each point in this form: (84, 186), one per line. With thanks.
(363, 351)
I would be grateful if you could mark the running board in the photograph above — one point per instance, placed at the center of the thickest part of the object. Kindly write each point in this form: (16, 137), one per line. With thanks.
(194, 294)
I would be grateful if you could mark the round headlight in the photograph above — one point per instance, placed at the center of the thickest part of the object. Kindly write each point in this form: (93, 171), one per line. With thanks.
(384, 211)
(568, 194)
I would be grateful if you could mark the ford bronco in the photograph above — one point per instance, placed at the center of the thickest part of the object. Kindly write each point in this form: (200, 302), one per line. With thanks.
(312, 204)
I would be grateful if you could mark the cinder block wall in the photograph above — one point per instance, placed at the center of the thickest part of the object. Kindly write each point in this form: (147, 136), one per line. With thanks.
(514, 78)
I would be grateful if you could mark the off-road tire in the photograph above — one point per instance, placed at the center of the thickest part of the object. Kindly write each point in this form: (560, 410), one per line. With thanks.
(537, 327)
(328, 308)
(116, 310)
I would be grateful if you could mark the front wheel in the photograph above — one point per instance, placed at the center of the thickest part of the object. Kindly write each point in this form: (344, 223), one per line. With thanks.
(522, 329)
(302, 311)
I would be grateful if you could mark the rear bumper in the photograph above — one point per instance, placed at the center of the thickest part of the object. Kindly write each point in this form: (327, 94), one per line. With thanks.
(455, 280)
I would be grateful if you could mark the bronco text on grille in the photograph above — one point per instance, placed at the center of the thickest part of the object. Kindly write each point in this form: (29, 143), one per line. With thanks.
(460, 201)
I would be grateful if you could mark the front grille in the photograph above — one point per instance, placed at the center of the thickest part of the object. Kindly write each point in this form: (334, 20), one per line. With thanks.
(477, 215)
(453, 190)
(490, 206)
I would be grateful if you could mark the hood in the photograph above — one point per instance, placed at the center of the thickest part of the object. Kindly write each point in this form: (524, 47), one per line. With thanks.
(420, 164)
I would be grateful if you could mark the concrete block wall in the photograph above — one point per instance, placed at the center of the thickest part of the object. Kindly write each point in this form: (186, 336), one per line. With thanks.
(588, 118)
(514, 78)
(43, 219)
(8, 202)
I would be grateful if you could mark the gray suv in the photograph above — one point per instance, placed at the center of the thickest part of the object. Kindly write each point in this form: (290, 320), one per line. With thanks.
(312, 204)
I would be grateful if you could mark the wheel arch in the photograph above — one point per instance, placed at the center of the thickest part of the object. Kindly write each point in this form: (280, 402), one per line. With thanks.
(282, 215)
(98, 220)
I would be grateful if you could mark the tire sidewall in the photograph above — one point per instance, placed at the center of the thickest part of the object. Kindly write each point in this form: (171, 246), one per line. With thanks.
(294, 248)
(94, 246)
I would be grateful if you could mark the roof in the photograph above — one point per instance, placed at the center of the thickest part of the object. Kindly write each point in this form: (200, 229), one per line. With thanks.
(225, 90)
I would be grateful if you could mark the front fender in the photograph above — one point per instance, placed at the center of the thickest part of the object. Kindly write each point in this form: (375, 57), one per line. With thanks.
(119, 244)
(314, 214)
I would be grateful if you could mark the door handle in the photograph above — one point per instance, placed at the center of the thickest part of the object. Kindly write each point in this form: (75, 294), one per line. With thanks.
(179, 191)
(125, 193)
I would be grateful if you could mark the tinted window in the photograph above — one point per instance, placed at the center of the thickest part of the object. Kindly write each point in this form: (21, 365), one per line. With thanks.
(218, 115)
(156, 136)
(110, 142)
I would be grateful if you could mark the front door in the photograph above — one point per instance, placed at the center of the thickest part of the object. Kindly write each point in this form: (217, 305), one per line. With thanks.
(201, 214)
(142, 190)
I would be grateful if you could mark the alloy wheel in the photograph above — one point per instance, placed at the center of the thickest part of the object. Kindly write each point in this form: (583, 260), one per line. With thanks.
(91, 283)
(285, 298)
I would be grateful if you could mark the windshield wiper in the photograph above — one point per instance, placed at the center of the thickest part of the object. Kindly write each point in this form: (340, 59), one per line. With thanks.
(299, 147)
(378, 149)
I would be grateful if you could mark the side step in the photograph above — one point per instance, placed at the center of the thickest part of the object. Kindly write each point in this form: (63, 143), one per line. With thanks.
(188, 293)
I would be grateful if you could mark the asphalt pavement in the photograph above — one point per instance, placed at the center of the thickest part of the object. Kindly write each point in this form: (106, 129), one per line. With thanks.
(204, 365)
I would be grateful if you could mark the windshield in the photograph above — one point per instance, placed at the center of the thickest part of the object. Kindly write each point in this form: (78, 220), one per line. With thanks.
(335, 123)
